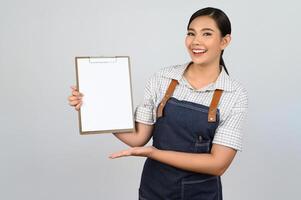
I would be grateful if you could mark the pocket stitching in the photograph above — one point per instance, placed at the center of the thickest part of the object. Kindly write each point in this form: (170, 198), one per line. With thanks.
(198, 181)
(193, 182)
(202, 144)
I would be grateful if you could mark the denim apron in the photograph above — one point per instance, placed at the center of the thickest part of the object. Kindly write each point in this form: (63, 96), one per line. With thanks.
(185, 127)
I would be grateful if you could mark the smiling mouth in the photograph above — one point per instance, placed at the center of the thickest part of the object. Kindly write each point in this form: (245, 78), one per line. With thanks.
(199, 51)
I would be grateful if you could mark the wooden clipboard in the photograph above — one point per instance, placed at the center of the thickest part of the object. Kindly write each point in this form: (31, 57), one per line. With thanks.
(107, 103)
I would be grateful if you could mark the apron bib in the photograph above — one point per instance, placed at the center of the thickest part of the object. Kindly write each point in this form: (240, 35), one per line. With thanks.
(185, 127)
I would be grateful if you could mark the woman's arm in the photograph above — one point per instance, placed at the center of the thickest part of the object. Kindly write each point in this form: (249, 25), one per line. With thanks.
(214, 163)
(136, 139)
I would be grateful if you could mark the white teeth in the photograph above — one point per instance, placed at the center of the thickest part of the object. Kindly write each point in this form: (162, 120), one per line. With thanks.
(199, 50)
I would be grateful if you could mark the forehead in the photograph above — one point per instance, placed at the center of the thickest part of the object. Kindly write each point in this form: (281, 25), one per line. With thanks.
(203, 22)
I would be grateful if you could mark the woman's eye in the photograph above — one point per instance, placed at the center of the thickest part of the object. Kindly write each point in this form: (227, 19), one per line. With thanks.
(190, 34)
(207, 34)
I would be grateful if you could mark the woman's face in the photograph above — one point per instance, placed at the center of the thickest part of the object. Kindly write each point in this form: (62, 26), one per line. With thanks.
(204, 41)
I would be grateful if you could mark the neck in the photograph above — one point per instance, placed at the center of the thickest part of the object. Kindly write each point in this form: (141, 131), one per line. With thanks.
(202, 73)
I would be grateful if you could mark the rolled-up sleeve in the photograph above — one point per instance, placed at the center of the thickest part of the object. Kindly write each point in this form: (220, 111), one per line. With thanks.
(230, 130)
(145, 111)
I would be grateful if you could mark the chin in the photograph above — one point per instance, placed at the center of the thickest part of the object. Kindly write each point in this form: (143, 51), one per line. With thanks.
(198, 62)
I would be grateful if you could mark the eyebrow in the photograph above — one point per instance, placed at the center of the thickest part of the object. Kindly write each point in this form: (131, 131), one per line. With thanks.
(204, 29)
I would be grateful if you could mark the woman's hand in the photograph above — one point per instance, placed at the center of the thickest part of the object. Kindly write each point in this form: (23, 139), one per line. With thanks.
(135, 151)
(76, 98)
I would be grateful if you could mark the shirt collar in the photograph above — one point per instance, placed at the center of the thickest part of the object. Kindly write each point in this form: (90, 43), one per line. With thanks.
(223, 81)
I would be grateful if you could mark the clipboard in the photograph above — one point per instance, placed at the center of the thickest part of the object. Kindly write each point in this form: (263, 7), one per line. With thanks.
(107, 102)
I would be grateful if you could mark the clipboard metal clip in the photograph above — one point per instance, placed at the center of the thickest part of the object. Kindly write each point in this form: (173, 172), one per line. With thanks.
(103, 59)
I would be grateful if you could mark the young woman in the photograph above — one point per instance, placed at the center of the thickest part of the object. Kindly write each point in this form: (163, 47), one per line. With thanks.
(194, 113)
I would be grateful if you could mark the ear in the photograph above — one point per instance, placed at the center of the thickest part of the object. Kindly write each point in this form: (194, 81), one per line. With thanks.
(225, 41)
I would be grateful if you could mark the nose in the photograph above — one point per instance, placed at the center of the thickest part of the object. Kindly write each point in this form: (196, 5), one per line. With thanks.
(197, 40)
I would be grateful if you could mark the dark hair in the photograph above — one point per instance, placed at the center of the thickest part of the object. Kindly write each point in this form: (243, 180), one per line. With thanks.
(222, 21)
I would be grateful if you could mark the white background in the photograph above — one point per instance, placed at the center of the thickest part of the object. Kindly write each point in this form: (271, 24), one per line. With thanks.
(42, 154)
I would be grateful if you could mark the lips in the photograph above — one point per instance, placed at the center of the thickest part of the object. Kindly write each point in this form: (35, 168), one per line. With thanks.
(199, 51)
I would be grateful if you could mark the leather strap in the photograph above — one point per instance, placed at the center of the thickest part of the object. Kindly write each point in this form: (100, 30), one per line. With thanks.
(167, 95)
(213, 106)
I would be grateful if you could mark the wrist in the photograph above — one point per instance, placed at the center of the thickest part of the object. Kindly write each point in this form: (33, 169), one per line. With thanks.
(153, 151)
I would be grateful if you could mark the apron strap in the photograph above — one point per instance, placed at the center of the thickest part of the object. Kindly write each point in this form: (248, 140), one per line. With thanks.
(213, 106)
(212, 109)
(167, 95)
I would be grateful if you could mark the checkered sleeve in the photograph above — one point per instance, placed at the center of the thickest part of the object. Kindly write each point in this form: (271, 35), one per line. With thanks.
(145, 111)
(229, 131)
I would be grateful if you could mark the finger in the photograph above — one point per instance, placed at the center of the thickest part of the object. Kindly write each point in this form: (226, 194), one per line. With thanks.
(120, 154)
(72, 98)
(73, 87)
(74, 103)
(77, 107)
(75, 93)
(116, 155)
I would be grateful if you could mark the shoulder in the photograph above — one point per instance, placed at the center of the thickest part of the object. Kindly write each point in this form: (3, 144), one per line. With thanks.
(237, 86)
(238, 96)
(235, 96)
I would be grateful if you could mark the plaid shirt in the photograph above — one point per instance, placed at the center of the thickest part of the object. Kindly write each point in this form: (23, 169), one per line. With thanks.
(233, 103)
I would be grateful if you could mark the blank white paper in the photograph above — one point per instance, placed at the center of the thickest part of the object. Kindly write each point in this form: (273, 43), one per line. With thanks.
(107, 102)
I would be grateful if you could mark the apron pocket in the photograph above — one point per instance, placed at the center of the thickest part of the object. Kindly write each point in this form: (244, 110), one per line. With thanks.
(202, 146)
(206, 189)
